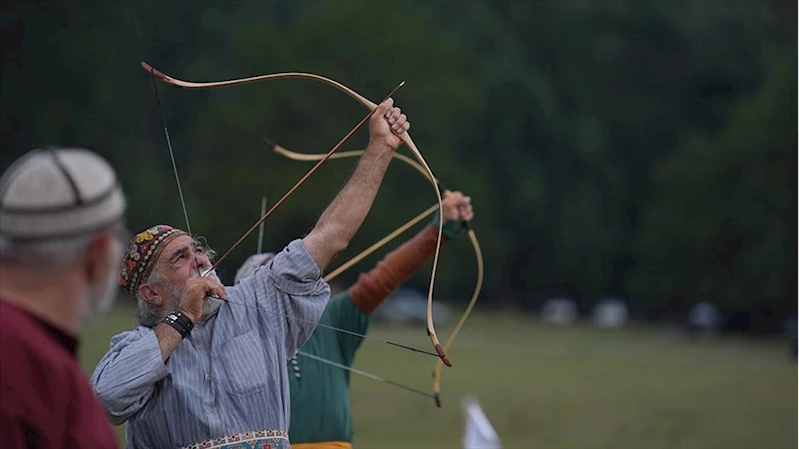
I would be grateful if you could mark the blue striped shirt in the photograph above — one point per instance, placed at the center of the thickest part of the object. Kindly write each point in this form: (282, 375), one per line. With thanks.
(229, 375)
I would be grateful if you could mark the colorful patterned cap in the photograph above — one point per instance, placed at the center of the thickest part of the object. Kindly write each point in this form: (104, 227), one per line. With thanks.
(142, 254)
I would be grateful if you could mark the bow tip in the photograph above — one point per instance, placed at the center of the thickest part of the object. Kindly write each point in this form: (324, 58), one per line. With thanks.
(437, 398)
(442, 355)
(152, 70)
(269, 143)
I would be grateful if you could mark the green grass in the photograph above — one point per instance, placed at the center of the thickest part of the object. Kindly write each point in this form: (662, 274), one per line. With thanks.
(565, 388)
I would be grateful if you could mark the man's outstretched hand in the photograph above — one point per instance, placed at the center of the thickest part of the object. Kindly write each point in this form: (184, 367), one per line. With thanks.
(457, 207)
(386, 124)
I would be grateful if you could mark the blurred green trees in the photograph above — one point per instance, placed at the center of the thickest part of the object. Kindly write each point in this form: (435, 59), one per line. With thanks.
(645, 149)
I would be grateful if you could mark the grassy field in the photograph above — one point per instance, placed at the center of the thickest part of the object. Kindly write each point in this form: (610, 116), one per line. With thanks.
(565, 388)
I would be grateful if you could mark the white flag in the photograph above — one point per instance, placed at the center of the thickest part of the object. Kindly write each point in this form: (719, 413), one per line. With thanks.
(478, 432)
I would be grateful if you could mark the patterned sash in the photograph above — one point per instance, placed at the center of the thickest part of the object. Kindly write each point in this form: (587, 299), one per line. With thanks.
(326, 445)
(263, 439)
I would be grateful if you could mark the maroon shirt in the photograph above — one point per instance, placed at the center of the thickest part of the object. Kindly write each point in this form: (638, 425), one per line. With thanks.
(45, 398)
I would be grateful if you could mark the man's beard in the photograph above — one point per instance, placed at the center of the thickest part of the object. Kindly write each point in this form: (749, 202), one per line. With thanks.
(100, 297)
(210, 305)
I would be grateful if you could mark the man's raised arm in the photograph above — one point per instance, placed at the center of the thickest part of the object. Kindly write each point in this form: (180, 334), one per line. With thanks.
(344, 216)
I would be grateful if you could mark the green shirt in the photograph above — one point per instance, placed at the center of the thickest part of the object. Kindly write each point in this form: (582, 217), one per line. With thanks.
(320, 393)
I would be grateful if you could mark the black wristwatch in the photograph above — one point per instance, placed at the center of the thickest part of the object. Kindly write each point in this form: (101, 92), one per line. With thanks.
(179, 322)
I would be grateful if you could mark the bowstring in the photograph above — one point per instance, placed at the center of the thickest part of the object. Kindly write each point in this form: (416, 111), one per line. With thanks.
(174, 167)
(188, 228)
(364, 373)
(345, 331)
(261, 226)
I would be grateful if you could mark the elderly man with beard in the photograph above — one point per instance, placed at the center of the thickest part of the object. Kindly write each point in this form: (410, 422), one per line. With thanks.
(61, 233)
(321, 417)
(213, 374)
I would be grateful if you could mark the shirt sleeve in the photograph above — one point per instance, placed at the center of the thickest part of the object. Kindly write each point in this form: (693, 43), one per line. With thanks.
(125, 377)
(342, 313)
(289, 294)
(374, 286)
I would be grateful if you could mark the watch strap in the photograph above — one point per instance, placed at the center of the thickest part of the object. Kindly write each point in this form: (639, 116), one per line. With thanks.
(179, 322)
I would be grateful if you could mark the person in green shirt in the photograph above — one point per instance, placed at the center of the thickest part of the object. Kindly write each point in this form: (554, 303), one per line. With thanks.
(321, 417)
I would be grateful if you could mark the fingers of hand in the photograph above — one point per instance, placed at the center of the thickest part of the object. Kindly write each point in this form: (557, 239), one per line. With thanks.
(397, 120)
(392, 115)
(215, 288)
(400, 125)
(203, 286)
(457, 198)
(466, 213)
(218, 291)
(384, 106)
(463, 204)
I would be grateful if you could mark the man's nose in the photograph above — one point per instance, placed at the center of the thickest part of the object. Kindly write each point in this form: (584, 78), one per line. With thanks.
(201, 261)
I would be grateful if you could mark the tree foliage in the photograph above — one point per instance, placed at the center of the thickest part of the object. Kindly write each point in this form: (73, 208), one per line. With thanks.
(642, 149)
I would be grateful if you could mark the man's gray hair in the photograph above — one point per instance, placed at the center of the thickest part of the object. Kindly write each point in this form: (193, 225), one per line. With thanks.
(146, 313)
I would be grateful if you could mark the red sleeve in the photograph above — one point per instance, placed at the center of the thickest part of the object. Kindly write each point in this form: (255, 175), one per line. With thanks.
(374, 287)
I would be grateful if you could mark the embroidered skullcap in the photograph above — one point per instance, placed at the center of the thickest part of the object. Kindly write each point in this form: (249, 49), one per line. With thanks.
(142, 253)
(249, 265)
(57, 193)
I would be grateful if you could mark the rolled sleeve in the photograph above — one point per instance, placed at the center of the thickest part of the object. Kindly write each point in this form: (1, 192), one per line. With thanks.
(294, 272)
(290, 295)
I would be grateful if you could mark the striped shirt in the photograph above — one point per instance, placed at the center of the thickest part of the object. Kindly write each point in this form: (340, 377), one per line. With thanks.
(229, 375)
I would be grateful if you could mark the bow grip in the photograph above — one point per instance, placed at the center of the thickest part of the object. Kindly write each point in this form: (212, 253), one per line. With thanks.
(442, 189)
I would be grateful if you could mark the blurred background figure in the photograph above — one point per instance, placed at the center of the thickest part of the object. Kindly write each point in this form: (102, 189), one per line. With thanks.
(478, 433)
(703, 318)
(560, 311)
(61, 239)
(610, 313)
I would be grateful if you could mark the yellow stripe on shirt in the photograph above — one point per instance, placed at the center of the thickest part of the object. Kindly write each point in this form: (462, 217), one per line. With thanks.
(325, 445)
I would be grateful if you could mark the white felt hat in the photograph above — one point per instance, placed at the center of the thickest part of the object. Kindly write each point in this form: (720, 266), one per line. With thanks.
(57, 193)
(250, 265)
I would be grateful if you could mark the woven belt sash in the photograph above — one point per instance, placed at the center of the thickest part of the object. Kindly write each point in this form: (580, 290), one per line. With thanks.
(264, 439)
(326, 445)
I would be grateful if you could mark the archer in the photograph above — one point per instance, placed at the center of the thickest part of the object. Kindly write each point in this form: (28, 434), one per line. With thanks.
(204, 372)
(321, 416)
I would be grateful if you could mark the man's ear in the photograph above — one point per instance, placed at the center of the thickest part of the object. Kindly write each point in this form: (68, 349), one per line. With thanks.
(98, 259)
(151, 294)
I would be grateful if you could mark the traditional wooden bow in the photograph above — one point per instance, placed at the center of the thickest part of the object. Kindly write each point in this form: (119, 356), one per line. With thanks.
(406, 138)
(309, 157)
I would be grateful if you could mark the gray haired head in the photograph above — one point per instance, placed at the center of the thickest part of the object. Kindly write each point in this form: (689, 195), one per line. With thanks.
(53, 200)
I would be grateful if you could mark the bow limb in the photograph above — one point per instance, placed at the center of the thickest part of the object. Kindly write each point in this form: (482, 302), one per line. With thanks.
(480, 272)
(472, 237)
(254, 79)
(405, 137)
(380, 243)
(306, 157)
(431, 331)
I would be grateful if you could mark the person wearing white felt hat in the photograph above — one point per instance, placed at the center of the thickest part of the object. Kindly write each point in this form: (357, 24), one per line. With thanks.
(61, 234)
